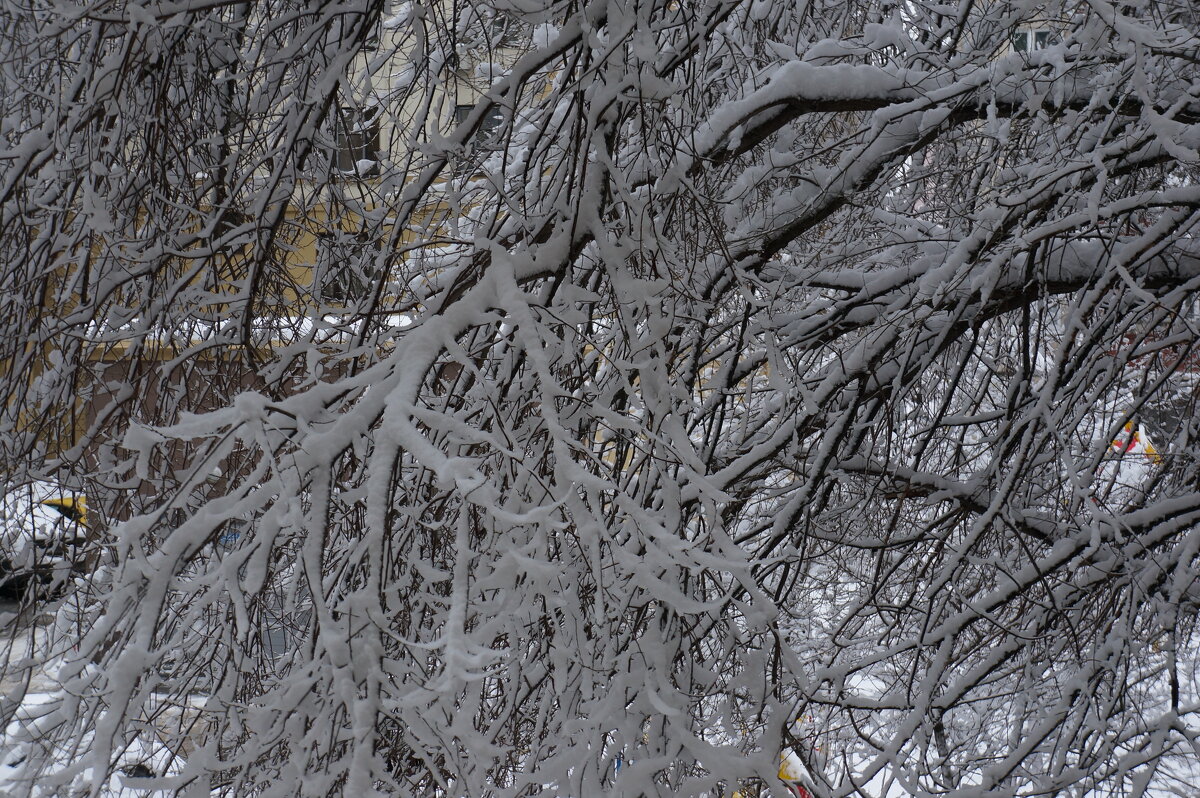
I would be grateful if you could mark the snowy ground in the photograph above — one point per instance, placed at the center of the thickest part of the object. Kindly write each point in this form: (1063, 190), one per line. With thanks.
(30, 694)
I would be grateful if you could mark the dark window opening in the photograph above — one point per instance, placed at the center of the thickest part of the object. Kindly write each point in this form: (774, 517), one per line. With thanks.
(1040, 40)
(358, 141)
(500, 29)
(355, 23)
(346, 270)
(492, 27)
(231, 237)
(229, 233)
(487, 134)
(371, 40)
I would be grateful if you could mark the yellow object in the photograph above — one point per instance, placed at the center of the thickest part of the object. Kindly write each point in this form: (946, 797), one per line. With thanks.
(791, 768)
(74, 508)
(791, 772)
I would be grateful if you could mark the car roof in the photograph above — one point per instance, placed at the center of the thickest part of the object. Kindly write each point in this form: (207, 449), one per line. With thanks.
(36, 506)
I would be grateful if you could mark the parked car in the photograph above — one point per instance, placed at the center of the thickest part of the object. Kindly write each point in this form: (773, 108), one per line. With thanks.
(43, 540)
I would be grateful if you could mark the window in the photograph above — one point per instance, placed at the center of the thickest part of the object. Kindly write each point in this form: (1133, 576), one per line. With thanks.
(485, 137)
(1041, 39)
(345, 271)
(232, 231)
(231, 237)
(371, 40)
(352, 23)
(358, 141)
(499, 28)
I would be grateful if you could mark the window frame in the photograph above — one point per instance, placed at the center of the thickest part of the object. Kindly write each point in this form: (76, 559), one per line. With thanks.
(484, 138)
(1028, 40)
(357, 139)
(331, 282)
